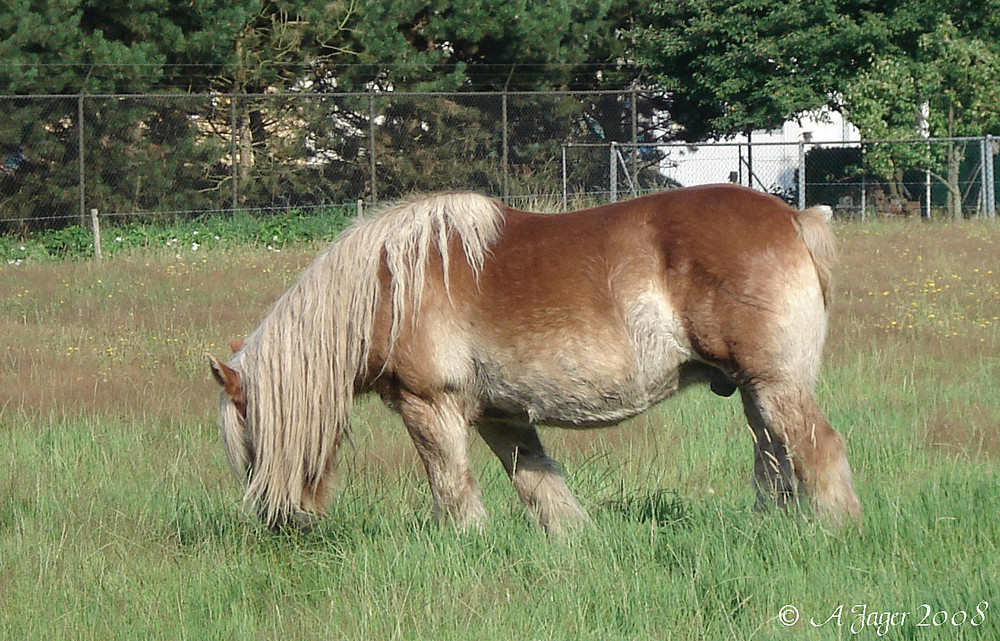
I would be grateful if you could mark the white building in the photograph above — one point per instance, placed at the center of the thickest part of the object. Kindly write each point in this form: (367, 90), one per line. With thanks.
(769, 164)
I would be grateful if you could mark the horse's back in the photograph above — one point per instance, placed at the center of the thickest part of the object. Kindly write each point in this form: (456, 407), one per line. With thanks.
(726, 223)
(689, 240)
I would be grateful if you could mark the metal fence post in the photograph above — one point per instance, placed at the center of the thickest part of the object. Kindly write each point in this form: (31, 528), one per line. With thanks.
(928, 194)
(371, 143)
(505, 172)
(635, 141)
(565, 196)
(613, 171)
(802, 174)
(233, 137)
(991, 185)
(983, 207)
(82, 166)
(864, 197)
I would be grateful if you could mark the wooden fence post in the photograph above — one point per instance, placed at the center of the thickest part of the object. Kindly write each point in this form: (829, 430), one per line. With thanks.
(96, 226)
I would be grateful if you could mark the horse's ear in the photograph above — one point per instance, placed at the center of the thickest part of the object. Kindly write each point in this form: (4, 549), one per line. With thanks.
(236, 345)
(226, 377)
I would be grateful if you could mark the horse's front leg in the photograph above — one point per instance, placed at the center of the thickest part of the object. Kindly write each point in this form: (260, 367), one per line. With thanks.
(535, 476)
(439, 428)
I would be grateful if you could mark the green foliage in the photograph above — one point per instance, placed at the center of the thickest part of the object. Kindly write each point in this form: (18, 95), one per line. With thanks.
(144, 156)
(77, 45)
(174, 155)
(493, 45)
(937, 79)
(714, 68)
(46, 183)
(733, 67)
(945, 60)
(736, 67)
(272, 232)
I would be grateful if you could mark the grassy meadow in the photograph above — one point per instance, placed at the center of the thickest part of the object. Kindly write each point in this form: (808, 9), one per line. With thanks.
(119, 518)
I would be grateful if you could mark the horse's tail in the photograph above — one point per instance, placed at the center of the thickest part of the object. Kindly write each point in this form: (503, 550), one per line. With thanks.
(814, 228)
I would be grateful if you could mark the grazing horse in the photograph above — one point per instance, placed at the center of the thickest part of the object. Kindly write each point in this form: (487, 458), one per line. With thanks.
(462, 312)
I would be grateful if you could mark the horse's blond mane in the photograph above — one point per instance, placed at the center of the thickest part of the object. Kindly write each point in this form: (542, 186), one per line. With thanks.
(299, 367)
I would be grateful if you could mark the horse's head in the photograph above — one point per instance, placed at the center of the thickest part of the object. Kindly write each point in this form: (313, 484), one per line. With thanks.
(236, 438)
(239, 441)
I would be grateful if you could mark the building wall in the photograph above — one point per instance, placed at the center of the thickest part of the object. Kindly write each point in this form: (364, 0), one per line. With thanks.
(773, 158)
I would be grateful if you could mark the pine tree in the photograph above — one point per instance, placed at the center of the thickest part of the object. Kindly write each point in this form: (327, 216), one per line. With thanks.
(141, 155)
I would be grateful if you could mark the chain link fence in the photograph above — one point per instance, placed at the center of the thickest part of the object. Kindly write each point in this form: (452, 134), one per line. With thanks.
(188, 155)
(931, 178)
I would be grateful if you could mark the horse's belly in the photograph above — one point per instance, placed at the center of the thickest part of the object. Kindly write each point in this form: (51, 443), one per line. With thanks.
(568, 390)
(588, 372)
(571, 401)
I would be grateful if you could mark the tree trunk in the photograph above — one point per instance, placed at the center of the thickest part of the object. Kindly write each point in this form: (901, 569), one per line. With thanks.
(895, 185)
(245, 146)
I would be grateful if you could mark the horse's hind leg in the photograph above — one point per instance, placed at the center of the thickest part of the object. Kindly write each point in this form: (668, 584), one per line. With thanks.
(440, 431)
(535, 476)
(774, 479)
(816, 451)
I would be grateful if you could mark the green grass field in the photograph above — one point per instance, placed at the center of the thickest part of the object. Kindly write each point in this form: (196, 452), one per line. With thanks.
(119, 518)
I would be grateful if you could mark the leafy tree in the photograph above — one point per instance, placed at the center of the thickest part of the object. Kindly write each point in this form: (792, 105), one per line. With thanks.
(498, 46)
(732, 67)
(258, 56)
(945, 67)
(283, 46)
(406, 46)
(491, 45)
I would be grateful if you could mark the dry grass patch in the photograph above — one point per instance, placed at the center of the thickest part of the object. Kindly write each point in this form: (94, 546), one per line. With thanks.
(128, 335)
(920, 303)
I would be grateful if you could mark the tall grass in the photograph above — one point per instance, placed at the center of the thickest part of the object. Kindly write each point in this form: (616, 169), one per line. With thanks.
(119, 518)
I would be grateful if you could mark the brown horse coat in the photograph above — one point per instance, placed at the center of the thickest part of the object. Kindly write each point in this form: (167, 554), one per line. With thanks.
(505, 320)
